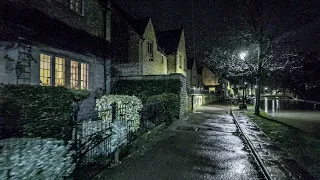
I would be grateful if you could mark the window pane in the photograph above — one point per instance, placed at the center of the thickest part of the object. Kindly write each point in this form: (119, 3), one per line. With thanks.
(60, 72)
(84, 76)
(74, 80)
(45, 70)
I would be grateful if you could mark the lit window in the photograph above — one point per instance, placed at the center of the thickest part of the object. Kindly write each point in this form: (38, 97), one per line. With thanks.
(77, 5)
(84, 76)
(45, 70)
(74, 74)
(60, 72)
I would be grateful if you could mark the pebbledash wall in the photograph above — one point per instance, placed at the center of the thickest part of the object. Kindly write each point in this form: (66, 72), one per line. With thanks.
(183, 91)
(95, 70)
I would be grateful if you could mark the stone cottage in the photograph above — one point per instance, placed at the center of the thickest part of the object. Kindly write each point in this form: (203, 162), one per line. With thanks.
(57, 43)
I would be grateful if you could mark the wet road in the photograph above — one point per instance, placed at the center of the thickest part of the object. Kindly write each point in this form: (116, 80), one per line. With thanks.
(206, 145)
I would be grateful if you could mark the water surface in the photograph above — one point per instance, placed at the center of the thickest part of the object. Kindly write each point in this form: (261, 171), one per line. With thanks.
(300, 114)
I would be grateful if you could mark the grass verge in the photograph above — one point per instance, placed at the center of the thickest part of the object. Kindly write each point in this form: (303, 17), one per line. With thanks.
(303, 147)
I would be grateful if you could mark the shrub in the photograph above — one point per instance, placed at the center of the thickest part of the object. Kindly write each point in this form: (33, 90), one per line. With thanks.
(143, 89)
(127, 109)
(161, 108)
(34, 158)
(38, 111)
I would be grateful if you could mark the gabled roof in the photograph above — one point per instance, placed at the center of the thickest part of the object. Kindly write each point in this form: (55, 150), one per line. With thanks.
(169, 40)
(139, 25)
(190, 63)
(21, 20)
(199, 70)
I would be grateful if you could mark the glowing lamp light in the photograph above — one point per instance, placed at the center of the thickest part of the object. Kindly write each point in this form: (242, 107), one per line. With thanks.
(242, 55)
(255, 86)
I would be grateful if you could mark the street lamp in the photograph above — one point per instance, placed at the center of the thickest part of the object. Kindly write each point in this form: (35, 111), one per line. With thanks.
(265, 90)
(242, 56)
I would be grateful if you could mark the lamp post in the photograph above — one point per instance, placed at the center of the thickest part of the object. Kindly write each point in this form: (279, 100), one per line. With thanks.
(242, 56)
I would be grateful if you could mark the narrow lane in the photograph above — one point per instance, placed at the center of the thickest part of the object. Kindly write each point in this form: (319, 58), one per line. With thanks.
(206, 145)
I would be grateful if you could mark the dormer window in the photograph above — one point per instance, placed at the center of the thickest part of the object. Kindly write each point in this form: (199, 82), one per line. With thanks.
(77, 6)
(150, 48)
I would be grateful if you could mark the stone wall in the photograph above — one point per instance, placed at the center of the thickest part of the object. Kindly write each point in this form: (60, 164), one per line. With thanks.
(92, 20)
(125, 69)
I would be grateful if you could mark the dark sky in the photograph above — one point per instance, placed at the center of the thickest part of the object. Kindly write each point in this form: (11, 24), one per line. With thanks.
(206, 26)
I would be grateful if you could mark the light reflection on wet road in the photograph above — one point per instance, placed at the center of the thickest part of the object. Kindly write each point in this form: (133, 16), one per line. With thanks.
(204, 146)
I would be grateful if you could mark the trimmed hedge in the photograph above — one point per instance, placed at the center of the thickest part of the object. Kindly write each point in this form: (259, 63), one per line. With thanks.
(143, 89)
(38, 111)
(161, 108)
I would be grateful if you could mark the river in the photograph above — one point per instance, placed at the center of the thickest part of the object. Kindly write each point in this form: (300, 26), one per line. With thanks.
(300, 114)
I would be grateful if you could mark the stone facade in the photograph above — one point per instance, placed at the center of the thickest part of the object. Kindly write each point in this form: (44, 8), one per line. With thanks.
(209, 78)
(132, 47)
(92, 19)
(126, 69)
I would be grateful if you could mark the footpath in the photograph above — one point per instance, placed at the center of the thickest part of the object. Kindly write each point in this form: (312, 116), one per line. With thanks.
(205, 145)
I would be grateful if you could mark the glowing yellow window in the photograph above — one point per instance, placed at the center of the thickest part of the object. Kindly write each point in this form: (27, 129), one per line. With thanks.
(84, 76)
(74, 80)
(59, 71)
(45, 70)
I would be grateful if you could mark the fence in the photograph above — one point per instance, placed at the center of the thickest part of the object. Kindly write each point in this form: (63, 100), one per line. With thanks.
(91, 138)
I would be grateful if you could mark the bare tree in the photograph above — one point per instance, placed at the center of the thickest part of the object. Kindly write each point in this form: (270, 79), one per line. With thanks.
(254, 46)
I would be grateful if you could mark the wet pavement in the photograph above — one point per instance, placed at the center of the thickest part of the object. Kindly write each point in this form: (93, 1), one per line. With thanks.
(205, 145)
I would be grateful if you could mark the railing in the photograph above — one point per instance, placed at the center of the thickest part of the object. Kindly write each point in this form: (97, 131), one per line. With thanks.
(92, 137)
(198, 91)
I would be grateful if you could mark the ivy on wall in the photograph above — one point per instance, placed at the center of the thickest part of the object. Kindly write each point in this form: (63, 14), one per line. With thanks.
(143, 89)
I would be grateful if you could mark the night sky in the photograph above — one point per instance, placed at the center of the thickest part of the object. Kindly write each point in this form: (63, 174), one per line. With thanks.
(211, 19)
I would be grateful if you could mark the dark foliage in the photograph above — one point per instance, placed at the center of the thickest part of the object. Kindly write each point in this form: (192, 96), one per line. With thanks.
(38, 111)
(143, 89)
(161, 108)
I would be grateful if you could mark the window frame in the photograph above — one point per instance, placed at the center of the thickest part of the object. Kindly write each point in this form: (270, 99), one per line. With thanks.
(75, 8)
(81, 75)
(42, 68)
(63, 65)
(74, 70)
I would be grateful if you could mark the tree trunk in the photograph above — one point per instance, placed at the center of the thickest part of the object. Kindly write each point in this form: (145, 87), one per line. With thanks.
(257, 107)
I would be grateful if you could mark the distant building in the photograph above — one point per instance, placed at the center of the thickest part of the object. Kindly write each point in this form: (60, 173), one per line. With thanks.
(174, 46)
(192, 74)
(136, 50)
(56, 43)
